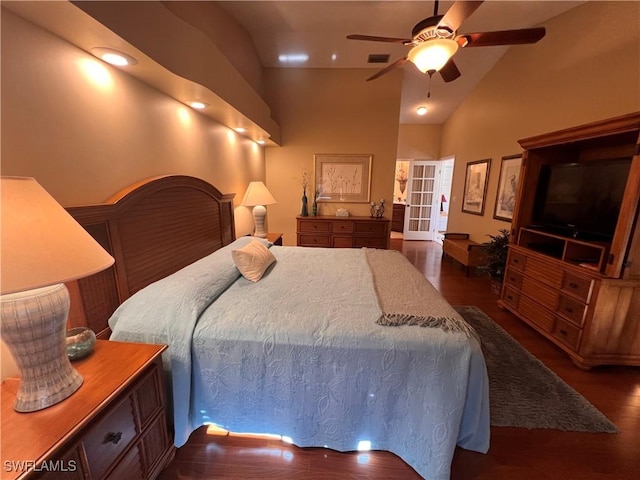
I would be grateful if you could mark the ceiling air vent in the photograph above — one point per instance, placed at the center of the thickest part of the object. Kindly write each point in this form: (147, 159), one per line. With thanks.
(378, 58)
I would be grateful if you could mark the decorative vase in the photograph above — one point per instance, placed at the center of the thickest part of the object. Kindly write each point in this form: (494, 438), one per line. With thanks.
(305, 209)
(403, 185)
(314, 209)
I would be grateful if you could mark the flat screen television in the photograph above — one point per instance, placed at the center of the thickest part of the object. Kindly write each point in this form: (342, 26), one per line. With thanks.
(581, 200)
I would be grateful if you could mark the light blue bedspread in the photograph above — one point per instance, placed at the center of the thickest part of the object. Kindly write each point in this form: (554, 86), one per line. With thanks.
(299, 354)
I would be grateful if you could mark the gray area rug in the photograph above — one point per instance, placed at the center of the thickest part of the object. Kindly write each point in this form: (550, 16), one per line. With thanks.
(523, 392)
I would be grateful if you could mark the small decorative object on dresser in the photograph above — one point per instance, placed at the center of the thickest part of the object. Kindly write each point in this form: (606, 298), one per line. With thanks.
(314, 209)
(377, 209)
(304, 182)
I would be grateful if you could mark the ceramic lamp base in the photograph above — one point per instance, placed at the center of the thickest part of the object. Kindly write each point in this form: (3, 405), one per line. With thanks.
(259, 214)
(34, 329)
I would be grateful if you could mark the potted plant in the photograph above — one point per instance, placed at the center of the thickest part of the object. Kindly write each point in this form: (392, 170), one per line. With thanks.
(496, 257)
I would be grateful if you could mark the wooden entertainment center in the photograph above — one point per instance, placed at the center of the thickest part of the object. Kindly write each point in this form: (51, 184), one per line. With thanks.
(582, 294)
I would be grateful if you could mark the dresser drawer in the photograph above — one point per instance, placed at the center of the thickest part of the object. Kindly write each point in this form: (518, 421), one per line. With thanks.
(130, 467)
(572, 309)
(371, 227)
(342, 227)
(513, 279)
(567, 333)
(579, 286)
(537, 314)
(511, 297)
(109, 438)
(314, 226)
(541, 293)
(314, 240)
(516, 261)
(342, 242)
(546, 272)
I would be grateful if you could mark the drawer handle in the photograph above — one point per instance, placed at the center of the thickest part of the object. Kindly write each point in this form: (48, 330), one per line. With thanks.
(564, 332)
(509, 297)
(568, 309)
(515, 260)
(573, 285)
(114, 437)
(512, 279)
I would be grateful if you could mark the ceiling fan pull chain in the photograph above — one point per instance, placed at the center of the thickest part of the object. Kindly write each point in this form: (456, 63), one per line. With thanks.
(435, 8)
(430, 72)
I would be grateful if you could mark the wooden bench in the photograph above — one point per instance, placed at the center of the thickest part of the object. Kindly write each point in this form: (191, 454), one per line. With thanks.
(465, 251)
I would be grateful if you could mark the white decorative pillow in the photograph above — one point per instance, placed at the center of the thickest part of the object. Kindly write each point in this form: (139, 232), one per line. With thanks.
(253, 260)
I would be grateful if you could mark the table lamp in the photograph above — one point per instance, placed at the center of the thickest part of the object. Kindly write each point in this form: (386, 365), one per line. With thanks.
(257, 196)
(42, 247)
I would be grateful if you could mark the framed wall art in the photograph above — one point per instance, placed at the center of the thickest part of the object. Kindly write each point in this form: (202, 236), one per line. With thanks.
(342, 177)
(475, 186)
(507, 187)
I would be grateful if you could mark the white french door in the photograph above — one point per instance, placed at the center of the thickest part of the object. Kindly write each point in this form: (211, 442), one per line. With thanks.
(422, 210)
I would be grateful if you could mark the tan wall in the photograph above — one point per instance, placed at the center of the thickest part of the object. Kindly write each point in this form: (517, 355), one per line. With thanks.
(583, 70)
(84, 139)
(329, 111)
(419, 141)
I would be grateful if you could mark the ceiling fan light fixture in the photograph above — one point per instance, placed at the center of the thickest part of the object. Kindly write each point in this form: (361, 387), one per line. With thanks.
(433, 54)
(421, 110)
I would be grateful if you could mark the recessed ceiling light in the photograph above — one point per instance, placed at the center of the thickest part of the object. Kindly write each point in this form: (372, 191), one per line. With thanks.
(198, 105)
(422, 110)
(114, 57)
(293, 58)
(240, 130)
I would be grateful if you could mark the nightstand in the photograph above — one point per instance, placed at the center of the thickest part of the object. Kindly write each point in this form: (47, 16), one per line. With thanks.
(114, 426)
(275, 238)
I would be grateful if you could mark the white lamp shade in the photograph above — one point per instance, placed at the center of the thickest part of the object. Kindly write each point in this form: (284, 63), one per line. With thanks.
(42, 244)
(257, 194)
(433, 54)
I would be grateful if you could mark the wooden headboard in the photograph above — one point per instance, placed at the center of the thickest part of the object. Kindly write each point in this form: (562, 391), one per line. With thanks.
(152, 229)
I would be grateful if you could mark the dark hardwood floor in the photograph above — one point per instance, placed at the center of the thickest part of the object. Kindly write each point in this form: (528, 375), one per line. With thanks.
(514, 454)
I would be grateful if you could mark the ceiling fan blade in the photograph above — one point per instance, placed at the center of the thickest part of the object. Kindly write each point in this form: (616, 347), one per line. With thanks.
(387, 69)
(450, 71)
(379, 39)
(457, 14)
(505, 37)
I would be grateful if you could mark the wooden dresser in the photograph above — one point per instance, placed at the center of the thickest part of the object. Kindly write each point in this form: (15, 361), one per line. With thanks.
(582, 294)
(114, 426)
(343, 232)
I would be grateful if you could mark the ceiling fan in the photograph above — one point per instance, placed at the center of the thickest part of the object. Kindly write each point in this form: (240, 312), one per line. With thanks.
(435, 40)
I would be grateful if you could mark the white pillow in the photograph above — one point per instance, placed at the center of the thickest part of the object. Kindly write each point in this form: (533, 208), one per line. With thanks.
(253, 260)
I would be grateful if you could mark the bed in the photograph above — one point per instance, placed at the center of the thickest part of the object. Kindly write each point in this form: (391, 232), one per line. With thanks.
(324, 349)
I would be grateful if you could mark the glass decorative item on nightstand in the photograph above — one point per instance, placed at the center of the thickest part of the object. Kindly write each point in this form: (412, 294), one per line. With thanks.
(80, 342)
